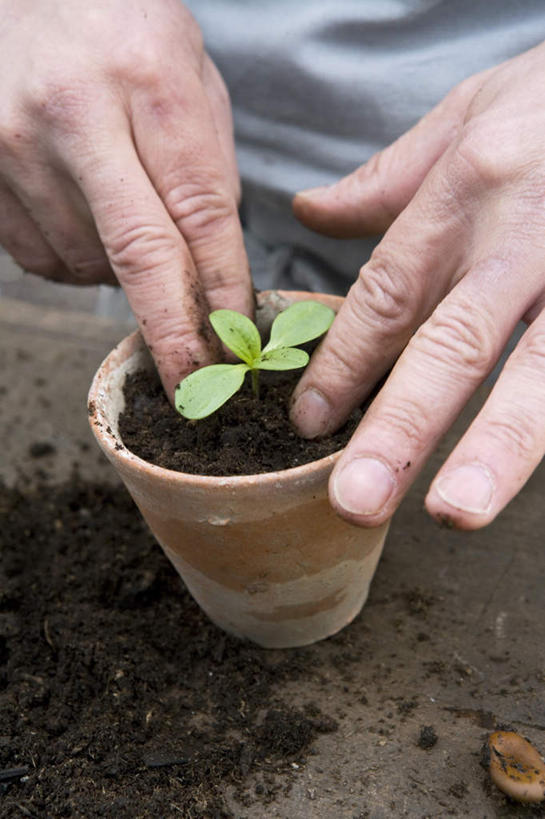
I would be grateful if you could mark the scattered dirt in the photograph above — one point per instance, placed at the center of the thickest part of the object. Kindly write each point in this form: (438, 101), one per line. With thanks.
(39, 449)
(428, 738)
(118, 697)
(418, 602)
(244, 437)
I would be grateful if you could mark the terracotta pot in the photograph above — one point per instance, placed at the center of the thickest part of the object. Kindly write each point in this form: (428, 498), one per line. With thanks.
(264, 555)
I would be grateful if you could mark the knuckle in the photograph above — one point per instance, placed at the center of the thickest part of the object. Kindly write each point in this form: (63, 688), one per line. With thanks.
(199, 209)
(138, 68)
(144, 62)
(517, 434)
(140, 249)
(338, 366)
(59, 102)
(406, 418)
(460, 336)
(481, 157)
(382, 293)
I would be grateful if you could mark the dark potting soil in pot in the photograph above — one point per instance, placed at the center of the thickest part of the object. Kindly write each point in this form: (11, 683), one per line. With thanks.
(244, 437)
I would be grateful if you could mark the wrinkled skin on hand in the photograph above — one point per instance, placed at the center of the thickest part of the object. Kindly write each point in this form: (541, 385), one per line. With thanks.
(117, 164)
(462, 199)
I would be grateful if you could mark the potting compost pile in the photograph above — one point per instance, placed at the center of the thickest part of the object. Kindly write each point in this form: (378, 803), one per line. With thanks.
(118, 698)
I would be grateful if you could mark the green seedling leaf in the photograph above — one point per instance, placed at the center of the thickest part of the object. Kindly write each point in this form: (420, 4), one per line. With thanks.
(238, 333)
(299, 323)
(204, 391)
(286, 358)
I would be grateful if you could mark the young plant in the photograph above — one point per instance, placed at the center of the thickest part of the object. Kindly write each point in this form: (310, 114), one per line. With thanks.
(202, 392)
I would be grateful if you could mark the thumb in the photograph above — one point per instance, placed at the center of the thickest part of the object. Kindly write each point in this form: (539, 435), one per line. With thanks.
(370, 198)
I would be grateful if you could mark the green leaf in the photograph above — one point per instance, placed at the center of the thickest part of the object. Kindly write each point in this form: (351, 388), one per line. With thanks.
(238, 333)
(299, 323)
(201, 393)
(287, 358)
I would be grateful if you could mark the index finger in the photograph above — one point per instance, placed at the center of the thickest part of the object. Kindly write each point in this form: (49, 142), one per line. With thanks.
(188, 154)
(408, 274)
(151, 261)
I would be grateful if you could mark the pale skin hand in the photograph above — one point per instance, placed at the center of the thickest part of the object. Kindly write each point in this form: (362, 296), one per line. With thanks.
(463, 259)
(117, 164)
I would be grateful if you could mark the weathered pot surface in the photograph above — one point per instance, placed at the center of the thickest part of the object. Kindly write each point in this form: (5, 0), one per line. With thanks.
(264, 555)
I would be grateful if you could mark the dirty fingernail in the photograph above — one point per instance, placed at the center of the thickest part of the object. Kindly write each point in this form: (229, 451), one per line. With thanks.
(311, 413)
(469, 488)
(364, 486)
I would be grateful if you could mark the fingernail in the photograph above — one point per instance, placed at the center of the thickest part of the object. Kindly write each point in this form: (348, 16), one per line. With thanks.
(469, 488)
(364, 486)
(311, 413)
(313, 193)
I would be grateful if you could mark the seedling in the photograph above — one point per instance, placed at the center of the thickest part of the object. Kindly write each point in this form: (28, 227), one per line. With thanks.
(204, 391)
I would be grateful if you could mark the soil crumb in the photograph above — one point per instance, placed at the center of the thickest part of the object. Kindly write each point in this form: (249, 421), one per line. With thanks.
(428, 738)
(244, 437)
(39, 449)
(118, 697)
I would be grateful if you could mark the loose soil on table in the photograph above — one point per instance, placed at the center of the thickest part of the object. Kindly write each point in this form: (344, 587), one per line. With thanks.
(117, 696)
(244, 437)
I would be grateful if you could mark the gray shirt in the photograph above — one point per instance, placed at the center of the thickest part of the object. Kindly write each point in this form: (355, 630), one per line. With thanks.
(318, 86)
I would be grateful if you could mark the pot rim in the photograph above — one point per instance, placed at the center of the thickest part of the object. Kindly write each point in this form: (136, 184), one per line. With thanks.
(110, 442)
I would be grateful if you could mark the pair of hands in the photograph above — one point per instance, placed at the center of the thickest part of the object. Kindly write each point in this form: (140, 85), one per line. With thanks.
(117, 164)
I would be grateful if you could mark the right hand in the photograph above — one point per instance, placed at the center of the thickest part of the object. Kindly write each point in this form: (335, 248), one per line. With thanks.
(117, 164)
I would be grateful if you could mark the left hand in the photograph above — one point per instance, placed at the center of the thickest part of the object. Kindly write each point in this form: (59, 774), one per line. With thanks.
(462, 196)
(117, 163)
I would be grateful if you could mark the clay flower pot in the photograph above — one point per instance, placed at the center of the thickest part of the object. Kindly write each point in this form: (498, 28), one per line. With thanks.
(264, 555)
